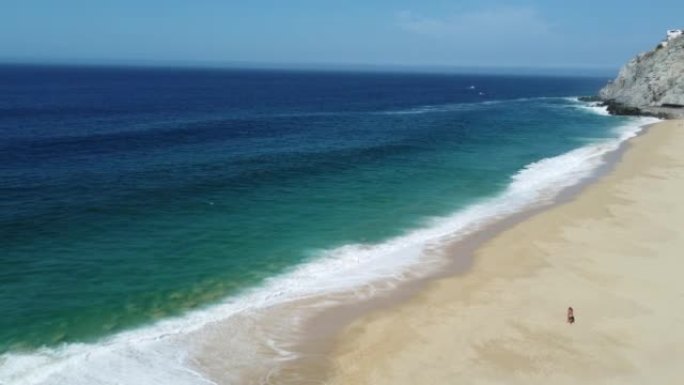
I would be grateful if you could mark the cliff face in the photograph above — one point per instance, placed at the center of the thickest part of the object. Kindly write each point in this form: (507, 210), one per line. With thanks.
(652, 83)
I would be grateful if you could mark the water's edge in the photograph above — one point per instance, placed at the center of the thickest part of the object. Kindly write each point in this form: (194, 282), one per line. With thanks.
(320, 334)
(276, 335)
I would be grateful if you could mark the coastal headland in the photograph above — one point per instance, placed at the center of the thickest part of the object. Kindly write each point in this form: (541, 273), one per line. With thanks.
(651, 83)
(613, 253)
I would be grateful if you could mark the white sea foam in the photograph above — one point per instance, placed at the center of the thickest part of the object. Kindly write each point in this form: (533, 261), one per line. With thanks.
(596, 108)
(159, 354)
(593, 107)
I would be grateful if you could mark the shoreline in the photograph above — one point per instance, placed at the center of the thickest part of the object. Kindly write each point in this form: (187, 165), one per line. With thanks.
(318, 344)
(290, 340)
(310, 342)
(348, 354)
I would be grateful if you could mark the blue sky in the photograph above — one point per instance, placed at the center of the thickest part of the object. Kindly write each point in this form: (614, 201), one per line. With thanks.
(551, 33)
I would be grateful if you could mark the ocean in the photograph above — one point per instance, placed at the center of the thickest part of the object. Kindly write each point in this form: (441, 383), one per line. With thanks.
(140, 204)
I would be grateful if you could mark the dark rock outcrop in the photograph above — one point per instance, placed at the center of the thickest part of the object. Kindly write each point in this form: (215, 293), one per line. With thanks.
(658, 112)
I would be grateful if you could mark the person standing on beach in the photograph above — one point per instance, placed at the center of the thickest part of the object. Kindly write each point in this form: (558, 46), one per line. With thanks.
(571, 315)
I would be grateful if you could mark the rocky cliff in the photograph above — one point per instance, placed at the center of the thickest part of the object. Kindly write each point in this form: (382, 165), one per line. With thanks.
(650, 84)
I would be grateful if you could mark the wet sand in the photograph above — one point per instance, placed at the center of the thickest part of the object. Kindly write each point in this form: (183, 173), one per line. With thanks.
(613, 253)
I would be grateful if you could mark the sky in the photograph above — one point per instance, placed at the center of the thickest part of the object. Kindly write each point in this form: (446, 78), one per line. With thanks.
(466, 33)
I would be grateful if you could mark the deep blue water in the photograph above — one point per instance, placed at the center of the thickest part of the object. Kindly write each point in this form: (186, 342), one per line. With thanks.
(130, 195)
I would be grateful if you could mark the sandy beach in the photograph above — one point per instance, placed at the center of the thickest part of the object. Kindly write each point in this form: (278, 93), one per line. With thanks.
(613, 253)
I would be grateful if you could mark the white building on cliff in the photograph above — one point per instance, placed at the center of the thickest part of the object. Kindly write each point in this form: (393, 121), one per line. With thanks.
(672, 33)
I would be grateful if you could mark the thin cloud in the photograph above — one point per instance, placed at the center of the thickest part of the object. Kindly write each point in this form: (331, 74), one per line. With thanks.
(480, 25)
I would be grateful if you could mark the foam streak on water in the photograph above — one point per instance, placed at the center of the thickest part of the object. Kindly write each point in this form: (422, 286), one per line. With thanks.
(158, 354)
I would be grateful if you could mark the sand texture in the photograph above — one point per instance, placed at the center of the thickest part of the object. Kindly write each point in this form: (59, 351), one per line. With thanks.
(615, 253)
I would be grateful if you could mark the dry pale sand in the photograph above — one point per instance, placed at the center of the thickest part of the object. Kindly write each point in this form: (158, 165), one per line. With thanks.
(615, 253)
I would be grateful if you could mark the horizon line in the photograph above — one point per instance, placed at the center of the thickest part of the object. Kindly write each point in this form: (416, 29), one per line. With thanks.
(594, 71)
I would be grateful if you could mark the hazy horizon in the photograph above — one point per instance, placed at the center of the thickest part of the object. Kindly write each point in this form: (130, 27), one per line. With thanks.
(494, 35)
(332, 67)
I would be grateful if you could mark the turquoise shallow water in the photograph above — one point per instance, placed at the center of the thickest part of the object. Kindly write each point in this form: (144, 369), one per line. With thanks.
(133, 195)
